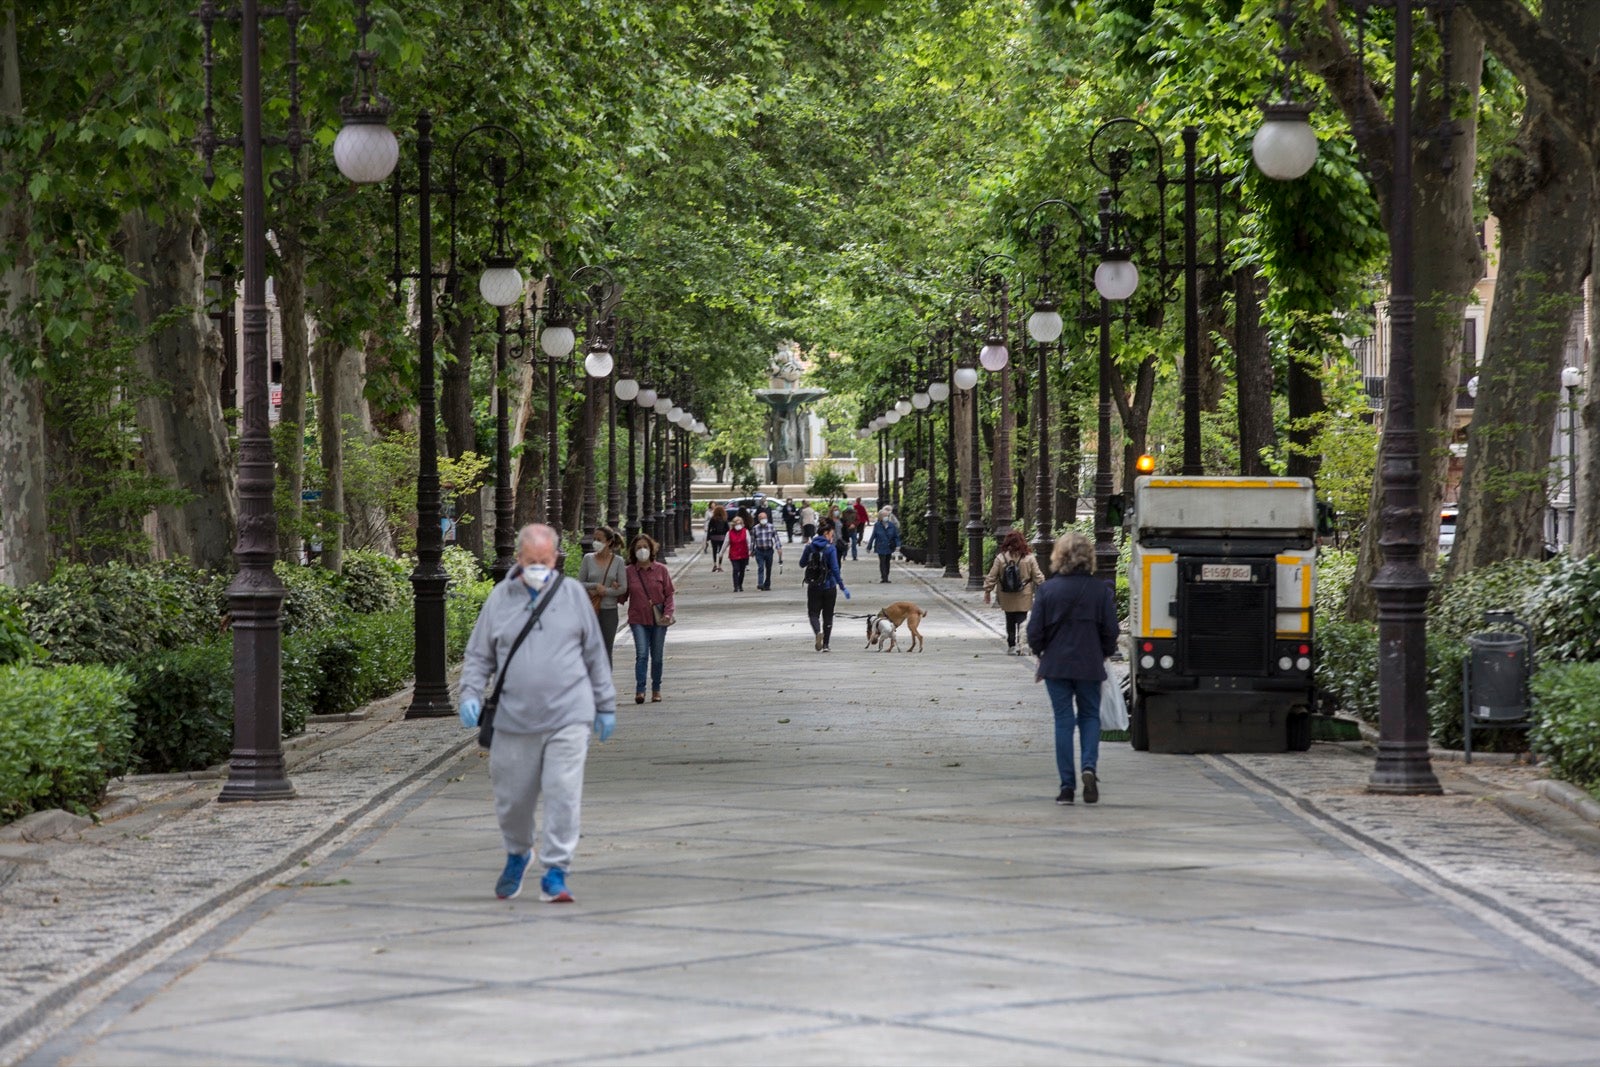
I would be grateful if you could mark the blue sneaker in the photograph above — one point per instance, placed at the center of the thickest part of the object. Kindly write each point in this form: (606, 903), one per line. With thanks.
(553, 887)
(510, 883)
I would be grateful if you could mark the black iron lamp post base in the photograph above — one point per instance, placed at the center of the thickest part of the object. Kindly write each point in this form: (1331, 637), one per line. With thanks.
(431, 697)
(256, 769)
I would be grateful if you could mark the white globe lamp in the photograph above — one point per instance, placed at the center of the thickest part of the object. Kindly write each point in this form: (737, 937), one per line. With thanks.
(500, 284)
(626, 389)
(366, 150)
(966, 378)
(1285, 146)
(1116, 277)
(939, 392)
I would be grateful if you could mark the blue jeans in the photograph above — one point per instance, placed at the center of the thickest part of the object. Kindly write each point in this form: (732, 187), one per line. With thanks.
(855, 542)
(1062, 691)
(649, 642)
(763, 568)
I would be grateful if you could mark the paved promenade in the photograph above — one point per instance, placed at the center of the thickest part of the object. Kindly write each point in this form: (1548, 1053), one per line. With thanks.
(806, 858)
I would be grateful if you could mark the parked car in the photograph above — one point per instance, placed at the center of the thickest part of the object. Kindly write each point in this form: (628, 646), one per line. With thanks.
(759, 502)
(1447, 528)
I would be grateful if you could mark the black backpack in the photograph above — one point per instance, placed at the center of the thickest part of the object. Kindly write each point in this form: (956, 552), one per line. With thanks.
(816, 567)
(1011, 578)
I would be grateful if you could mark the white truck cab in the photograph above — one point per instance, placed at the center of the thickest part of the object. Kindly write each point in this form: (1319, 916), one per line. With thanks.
(1220, 613)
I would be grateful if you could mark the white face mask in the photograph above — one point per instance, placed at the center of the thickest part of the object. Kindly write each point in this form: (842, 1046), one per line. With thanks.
(642, 555)
(738, 526)
(535, 575)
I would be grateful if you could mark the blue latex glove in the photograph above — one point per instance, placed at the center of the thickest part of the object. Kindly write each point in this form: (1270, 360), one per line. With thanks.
(845, 591)
(604, 724)
(469, 713)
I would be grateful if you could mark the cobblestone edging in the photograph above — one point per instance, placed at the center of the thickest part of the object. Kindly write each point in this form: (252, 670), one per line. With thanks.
(81, 916)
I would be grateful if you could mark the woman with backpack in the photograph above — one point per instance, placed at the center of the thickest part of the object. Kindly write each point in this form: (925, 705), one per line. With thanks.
(1015, 574)
(716, 533)
(819, 563)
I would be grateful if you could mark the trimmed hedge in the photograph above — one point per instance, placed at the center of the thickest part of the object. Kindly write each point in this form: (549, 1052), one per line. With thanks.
(375, 583)
(183, 708)
(1566, 730)
(113, 612)
(64, 733)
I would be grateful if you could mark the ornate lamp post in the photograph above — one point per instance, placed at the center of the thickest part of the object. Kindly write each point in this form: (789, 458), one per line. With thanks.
(557, 340)
(1285, 148)
(500, 285)
(952, 520)
(995, 357)
(365, 152)
(1044, 327)
(1116, 162)
(965, 379)
(931, 391)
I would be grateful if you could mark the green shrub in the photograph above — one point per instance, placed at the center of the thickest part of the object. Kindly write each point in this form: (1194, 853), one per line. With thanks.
(1336, 573)
(16, 643)
(913, 503)
(1445, 657)
(375, 583)
(463, 568)
(112, 612)
(64, 733)
(182, 705)
(1566, 730)
(828, 483)
(1347, 667)
(1456, 607)
(1565, 611)
(461, 613)
(384, 652)
(315, 597)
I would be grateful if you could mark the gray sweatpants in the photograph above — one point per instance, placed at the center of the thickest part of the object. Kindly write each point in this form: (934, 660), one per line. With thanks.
(525, 766)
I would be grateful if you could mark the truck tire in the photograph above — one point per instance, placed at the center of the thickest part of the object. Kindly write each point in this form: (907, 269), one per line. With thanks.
(1299, 731)
(1138, 724)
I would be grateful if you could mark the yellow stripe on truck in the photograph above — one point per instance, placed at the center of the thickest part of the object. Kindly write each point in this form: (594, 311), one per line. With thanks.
(1305, 596)
(1150, 560)
(1230, 483)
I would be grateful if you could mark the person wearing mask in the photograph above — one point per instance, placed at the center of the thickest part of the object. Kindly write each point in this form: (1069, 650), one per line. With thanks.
(603, 573)
(790, 515)
(808, 521)
(764, 543)
(884, 540)
(819, 563)
(739, 552)
(848, 535)
(1016, 574)
(716, 534)
(1072, 630)
(650, 592)
(552, 695)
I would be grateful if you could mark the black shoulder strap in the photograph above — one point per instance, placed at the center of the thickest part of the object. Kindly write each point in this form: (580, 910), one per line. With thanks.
(533, 617)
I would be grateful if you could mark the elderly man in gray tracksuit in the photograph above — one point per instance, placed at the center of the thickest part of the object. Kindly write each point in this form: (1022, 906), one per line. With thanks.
(557, 690)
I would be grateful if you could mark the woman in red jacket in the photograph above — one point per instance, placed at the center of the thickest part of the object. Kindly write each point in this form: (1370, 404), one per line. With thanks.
(649, 591)
(738, 552)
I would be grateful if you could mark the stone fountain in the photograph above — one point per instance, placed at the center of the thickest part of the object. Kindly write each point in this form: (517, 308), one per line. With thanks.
(786, 417)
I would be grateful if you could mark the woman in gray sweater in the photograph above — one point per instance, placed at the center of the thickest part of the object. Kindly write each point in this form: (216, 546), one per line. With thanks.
(605, 575)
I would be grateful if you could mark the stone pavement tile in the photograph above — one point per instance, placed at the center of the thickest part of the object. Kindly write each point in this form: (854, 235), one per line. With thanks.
(488, 1024)
(1253, 1026)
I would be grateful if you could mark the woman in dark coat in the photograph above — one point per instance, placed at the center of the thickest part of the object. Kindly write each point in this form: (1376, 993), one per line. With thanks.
(1072, 630)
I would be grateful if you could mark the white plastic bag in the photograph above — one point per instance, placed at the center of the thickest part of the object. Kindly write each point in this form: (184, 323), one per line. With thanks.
(1113, 709)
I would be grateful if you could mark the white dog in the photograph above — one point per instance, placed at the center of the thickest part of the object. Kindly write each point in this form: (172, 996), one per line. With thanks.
(886, 630)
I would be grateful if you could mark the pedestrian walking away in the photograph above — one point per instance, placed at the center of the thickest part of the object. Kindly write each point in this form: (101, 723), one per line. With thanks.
(716, 533)
(861, 516)
(884, 540)
(1072, 629)
(1015, 574)
(603, 573)
(739, 552)
(819, 562)
(808, 521)
(544, 703)
(651, 609)
(764, 543)
(849, 533)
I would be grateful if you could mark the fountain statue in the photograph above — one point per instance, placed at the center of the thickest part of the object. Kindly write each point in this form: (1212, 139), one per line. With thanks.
(786, 419)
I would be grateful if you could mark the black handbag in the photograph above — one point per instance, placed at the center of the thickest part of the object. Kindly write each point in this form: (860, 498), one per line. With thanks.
(490, 706)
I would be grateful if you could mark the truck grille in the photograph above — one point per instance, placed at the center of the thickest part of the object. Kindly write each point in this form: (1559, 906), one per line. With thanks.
(1226, 627)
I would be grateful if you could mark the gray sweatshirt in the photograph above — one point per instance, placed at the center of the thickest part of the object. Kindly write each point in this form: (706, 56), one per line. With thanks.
(560, 676)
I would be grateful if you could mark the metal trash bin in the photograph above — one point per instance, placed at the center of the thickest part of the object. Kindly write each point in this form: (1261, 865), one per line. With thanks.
(1494, 678)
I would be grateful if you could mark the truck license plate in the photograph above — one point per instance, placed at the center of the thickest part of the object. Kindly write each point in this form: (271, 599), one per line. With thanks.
(1225, 572)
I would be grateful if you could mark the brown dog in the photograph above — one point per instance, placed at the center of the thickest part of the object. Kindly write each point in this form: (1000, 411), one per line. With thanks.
(894, 614)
